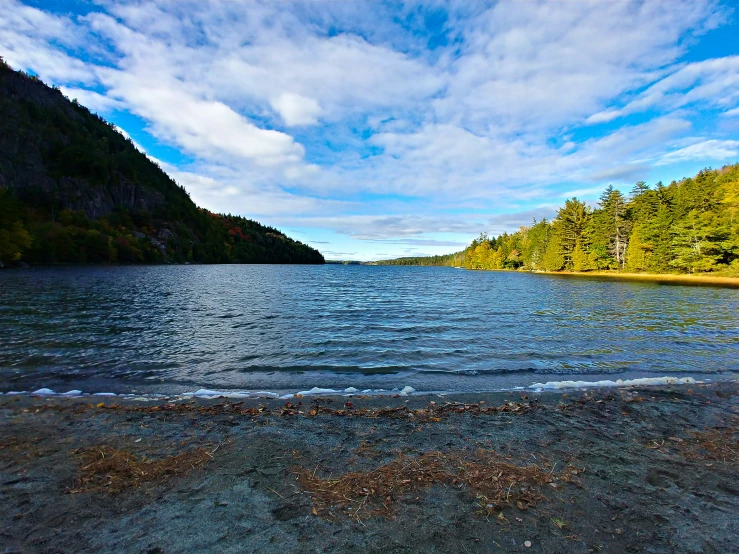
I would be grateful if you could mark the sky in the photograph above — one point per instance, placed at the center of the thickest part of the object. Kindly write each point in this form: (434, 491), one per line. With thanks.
(373, 130)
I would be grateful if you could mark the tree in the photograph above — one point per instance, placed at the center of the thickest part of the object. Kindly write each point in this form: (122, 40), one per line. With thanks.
(553, 259)
(14, 239)
(534, 243)
(571, 221)
(481, 255)
(496, 259)
(638, 252)
(644, 203)
(613, 207)
(581, 260)
(698, 243)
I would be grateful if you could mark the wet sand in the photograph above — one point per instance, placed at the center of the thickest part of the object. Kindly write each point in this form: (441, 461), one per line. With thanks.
(629, 470)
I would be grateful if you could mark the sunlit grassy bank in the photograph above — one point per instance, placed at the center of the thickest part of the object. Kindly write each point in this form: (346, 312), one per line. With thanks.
(669, 279)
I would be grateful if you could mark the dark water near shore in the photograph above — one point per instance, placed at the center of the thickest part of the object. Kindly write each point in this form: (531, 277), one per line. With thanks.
(290, 328)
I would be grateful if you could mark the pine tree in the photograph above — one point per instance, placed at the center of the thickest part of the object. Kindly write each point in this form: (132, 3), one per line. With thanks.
(613, 206)
(534, 243)
(657, 234)
(571, 222)
(581, 261)
(637, 254)
(698, 242)
(553, 259)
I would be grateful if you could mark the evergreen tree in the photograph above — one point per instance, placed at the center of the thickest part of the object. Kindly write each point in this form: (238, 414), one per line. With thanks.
(613, 207)
(638, 252)
(657, 234)
(581, 260)
(553, 259)
(571, 222)
(534, 243)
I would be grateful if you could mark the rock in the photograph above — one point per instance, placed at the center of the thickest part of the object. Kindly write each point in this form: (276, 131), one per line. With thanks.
(165, 234)
(158, 245)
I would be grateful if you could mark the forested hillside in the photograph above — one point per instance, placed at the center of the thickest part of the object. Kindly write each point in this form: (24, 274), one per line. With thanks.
(456, 259)
(689, 226)
(75, 190)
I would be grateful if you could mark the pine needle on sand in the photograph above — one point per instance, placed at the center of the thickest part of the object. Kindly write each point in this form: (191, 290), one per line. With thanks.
(495, 482)
(108, 469)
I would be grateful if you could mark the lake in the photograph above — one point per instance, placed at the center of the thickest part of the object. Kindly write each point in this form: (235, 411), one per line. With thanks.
(174, 329)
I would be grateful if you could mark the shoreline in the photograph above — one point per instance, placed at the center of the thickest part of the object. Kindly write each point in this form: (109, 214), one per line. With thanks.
(659, 278)
(609, 470)
(562, 385)
(703, 279)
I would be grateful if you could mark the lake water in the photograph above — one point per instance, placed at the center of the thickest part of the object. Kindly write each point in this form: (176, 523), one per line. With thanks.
(173, 329)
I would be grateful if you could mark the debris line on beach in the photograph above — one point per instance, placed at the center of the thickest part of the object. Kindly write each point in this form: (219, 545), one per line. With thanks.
(108, 469)
(491, 479)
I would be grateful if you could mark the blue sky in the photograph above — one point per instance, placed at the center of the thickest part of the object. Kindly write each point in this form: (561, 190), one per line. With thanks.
(378, 129)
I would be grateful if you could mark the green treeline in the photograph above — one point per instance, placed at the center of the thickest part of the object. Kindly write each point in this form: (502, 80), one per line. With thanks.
(73, 189)
(131, 237)
(456, 259)
(689, 226)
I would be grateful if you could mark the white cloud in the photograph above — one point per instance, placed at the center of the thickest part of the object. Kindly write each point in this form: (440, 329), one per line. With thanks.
(27, 40)
(535, 65)
(92, 100)
(296, 109)
(625, 172)
(714, 82)
(714, 150)
(382, 227)
(206, 128)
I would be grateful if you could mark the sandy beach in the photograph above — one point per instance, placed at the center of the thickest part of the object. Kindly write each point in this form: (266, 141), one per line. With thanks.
(621, 470)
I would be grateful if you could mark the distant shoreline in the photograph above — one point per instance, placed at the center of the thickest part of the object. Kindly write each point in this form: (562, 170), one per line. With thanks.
(666, 278)
(703, 280)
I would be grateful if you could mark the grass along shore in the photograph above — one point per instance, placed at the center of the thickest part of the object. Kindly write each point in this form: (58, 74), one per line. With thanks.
(662, 278)
(698, 280)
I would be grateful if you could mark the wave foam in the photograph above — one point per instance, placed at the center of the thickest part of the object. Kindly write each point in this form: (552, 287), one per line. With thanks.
(317, 390)
(351, 391)
(644, 381)
(208, 393)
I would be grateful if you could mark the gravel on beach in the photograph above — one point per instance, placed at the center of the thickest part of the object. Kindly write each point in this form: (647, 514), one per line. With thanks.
(651, 469)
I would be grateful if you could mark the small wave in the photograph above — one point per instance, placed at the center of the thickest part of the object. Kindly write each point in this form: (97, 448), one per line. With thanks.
(210, 393)
(644, 381)
(351, 391)
(207, 393)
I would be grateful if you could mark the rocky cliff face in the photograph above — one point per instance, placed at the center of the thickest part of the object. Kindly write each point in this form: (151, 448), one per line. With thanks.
(31, 151)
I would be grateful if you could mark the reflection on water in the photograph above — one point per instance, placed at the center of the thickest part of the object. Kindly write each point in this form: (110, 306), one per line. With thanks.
(172, 328)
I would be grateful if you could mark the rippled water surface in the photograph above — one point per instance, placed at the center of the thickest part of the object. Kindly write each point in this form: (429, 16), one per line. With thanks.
(288, 328)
